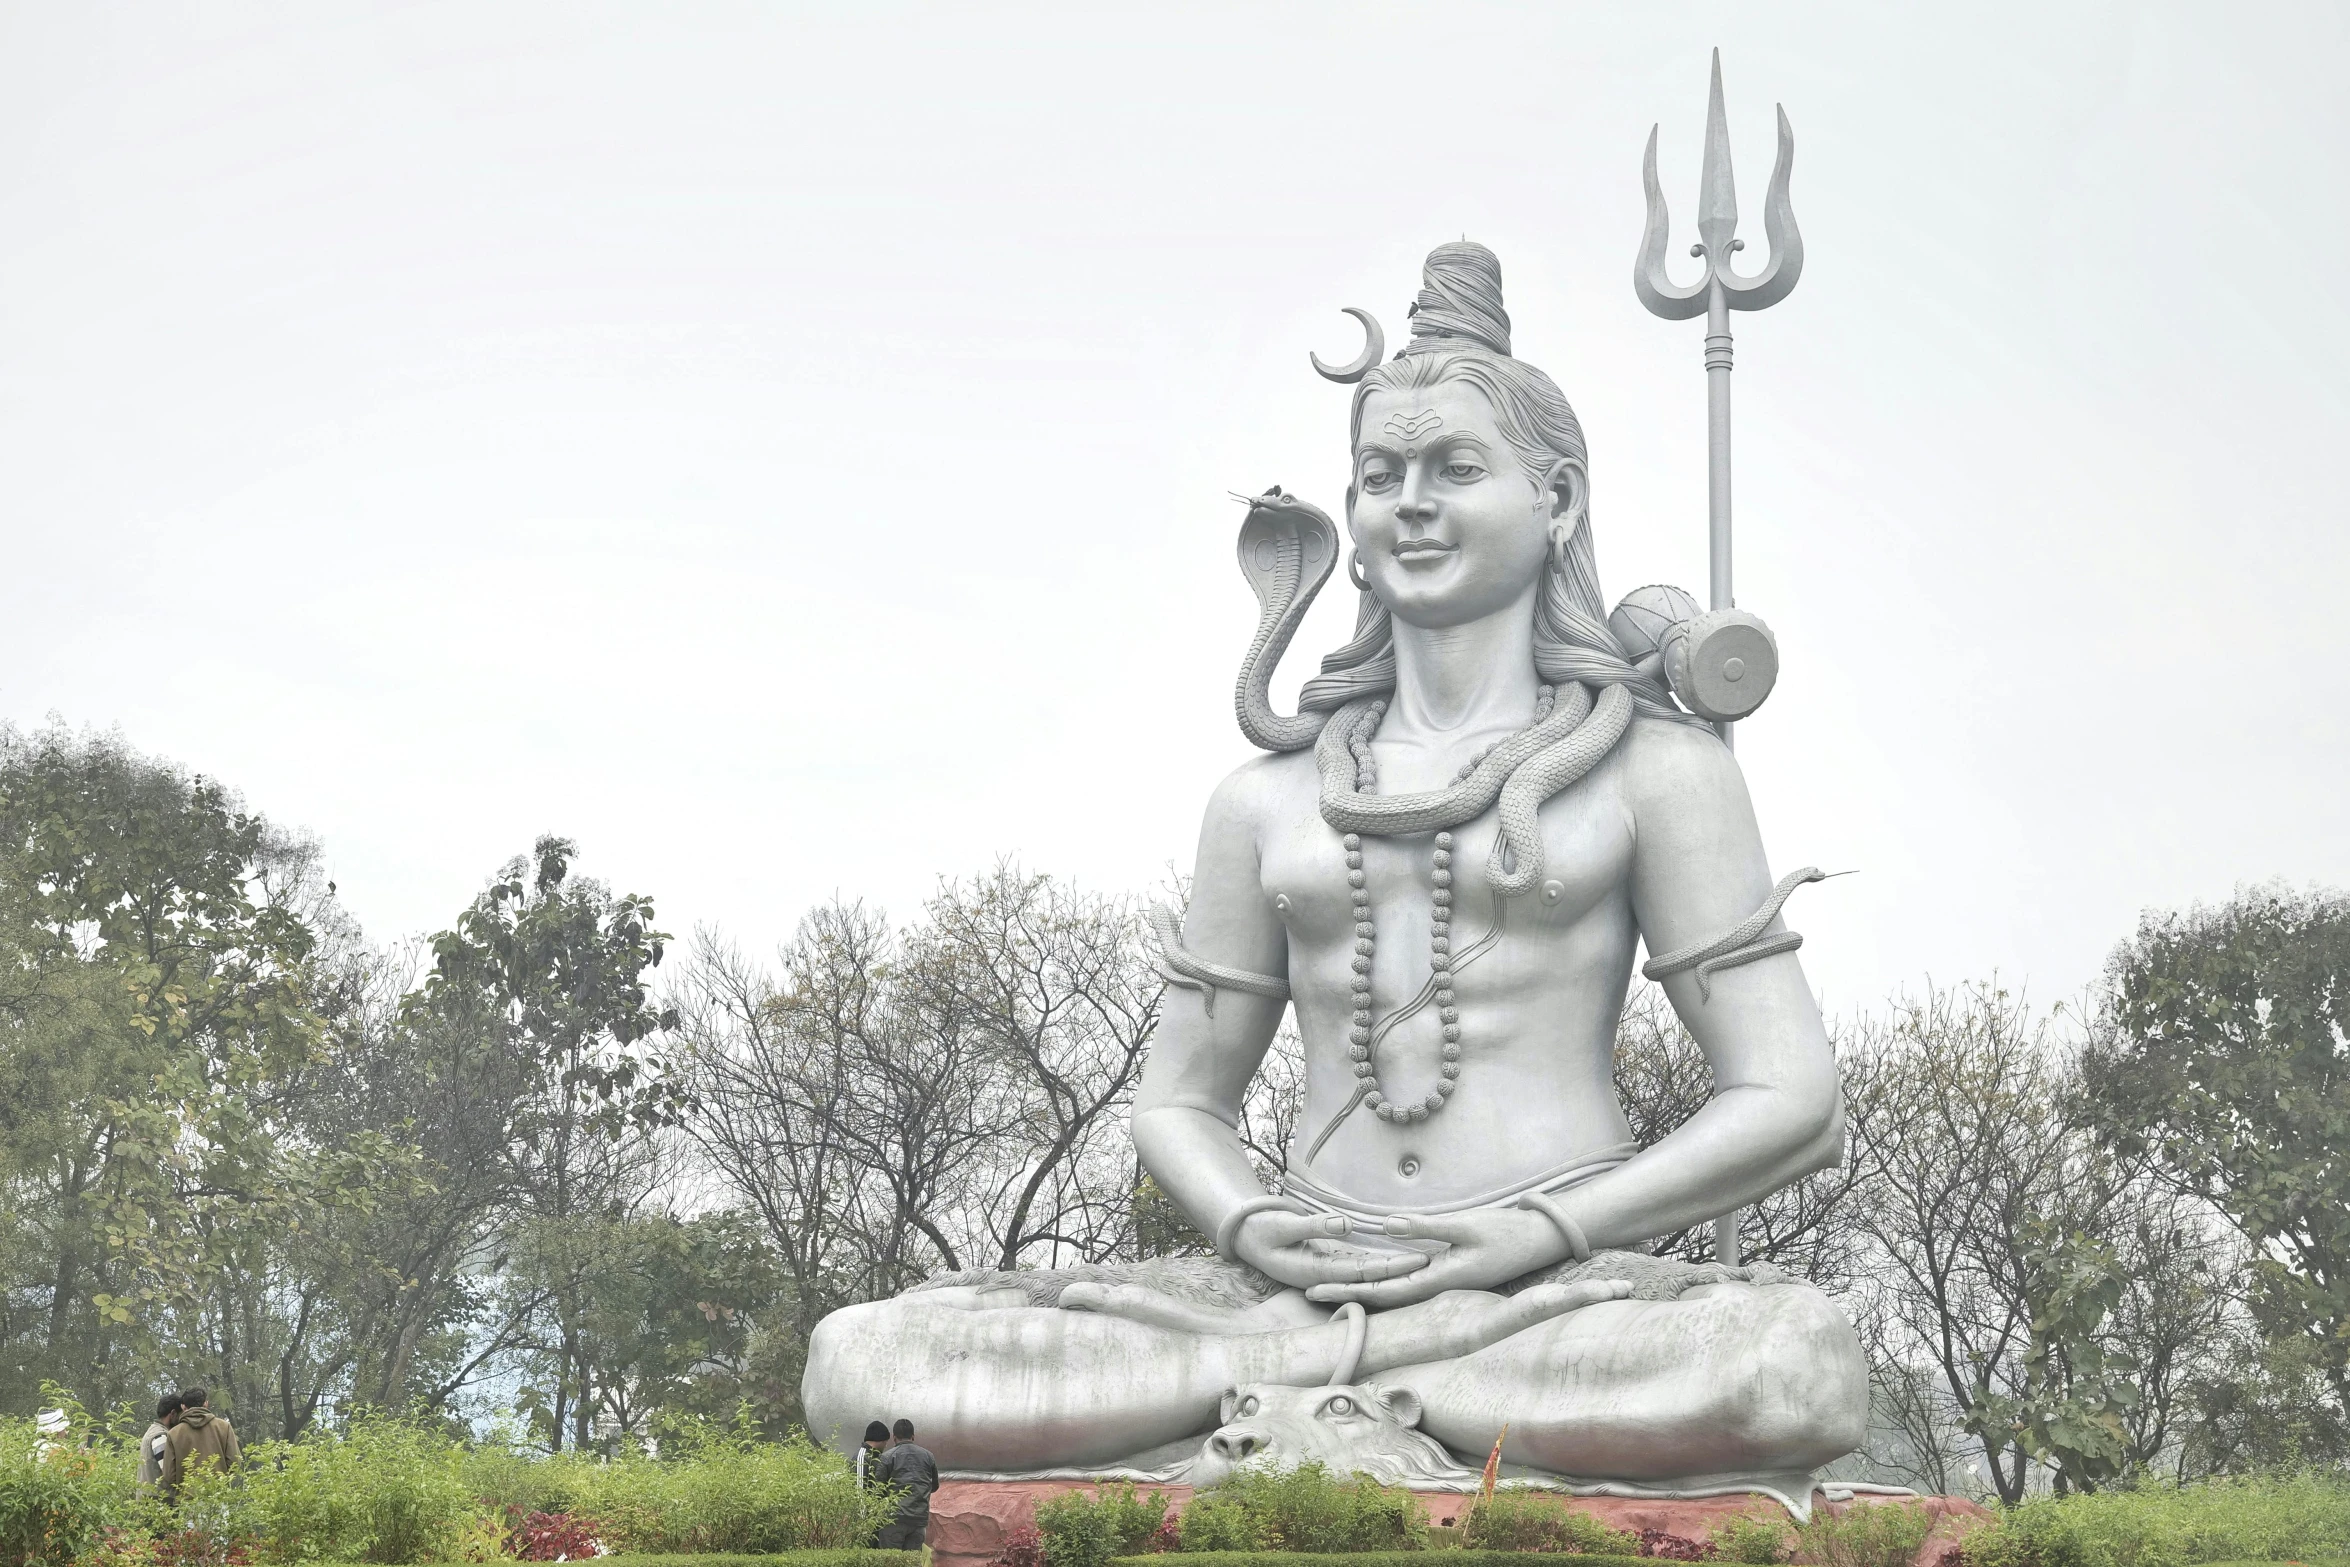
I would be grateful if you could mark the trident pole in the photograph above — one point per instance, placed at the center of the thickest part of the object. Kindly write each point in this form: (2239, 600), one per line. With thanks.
(1720, 291)
(1717, 453)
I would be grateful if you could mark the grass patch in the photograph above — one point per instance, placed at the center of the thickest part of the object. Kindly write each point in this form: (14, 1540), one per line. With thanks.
(2299, 1519)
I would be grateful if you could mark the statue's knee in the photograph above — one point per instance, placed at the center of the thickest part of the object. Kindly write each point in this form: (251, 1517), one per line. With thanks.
(1795, 1390)
(839, 1331)
(840, 1351)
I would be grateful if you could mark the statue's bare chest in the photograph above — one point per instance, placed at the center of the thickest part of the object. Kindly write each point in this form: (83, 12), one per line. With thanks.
(1587, 855)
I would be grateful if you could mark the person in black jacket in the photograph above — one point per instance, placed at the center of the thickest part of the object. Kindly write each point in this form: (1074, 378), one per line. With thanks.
(910, 1468)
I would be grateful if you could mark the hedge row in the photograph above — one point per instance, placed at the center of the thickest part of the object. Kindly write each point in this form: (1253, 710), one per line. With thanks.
(1446, 1558)
(778, 1559)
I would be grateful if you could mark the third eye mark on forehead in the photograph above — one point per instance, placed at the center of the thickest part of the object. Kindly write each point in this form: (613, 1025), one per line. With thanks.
(1410, 427)
(1460, 440)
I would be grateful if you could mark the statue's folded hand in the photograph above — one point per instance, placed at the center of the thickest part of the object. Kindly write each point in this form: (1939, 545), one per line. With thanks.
(1484, 1248)
(1295, 1248)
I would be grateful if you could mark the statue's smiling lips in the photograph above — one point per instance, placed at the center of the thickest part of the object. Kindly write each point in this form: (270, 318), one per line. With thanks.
(1414, 549)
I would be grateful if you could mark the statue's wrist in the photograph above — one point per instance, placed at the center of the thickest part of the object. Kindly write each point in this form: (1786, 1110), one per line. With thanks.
(1228, 1228)
(1564, 1226)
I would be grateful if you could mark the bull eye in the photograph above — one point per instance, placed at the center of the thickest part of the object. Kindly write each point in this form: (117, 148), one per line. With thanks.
(1248, 1408)
(1340, 1405)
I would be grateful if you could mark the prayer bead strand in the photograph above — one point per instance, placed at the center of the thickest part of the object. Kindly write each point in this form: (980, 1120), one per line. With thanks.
(1439, 939)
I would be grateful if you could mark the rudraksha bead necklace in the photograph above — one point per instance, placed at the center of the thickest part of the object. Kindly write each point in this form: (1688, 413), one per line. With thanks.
(1439, 941)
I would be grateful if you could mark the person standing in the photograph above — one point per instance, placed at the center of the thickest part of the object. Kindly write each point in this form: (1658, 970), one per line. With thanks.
(200, 1438)
(869, 1452)
(157, 1441)
(910, 1468)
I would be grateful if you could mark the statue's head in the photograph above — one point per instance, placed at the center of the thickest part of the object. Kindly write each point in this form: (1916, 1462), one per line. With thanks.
(1470, 495)
(1468, 464)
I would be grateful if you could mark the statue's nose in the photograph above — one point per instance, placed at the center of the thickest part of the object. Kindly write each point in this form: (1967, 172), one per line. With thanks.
(1236, 1446)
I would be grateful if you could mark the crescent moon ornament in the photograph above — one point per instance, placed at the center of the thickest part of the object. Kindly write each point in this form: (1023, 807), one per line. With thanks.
(1374, 349)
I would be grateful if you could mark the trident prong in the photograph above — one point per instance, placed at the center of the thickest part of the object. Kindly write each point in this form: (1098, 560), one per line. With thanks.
(1717, 221)
(1718, 293)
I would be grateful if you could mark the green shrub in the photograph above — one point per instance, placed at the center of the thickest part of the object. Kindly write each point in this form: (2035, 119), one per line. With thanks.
(1516, 1519)
(841, 1558)
(734, 1495)
(1452, 1558)
(1218, 1525)
(2295, 1518)
(382, 1490)
(1086, 1529)
(1757, 1541)
(57, 1495)
(516, 1480)
(1307, 1509)
(1075, 1533)
(1873, 1534)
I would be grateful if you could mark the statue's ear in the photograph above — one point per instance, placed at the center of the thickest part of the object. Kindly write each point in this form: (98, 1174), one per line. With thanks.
(1403, 1404)
(1231, 1402)
(1566, 492)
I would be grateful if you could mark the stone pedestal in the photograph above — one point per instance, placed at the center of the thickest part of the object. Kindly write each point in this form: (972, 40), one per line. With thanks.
(971, 1519)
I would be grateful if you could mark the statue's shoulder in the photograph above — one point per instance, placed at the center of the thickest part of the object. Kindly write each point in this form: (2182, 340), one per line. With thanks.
(1264, 790)
(1664, 765)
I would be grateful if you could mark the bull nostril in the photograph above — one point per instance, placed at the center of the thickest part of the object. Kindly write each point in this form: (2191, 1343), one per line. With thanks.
(1234, 1445)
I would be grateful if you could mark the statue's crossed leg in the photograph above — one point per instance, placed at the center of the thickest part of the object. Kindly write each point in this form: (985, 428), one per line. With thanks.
(1708, 1374)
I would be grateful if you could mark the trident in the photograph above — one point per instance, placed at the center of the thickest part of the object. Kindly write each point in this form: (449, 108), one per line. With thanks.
(1718, 293)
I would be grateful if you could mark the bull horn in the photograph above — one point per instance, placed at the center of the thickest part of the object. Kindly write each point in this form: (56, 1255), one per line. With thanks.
(1374, 348)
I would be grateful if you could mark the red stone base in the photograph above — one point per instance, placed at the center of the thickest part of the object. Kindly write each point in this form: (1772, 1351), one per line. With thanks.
(971, 1519)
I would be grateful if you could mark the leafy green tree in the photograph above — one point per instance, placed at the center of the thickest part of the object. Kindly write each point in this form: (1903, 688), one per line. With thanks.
(163, 947)
(553, 969)
(2223, 1052)
(667, 1322)
(2072, 1409)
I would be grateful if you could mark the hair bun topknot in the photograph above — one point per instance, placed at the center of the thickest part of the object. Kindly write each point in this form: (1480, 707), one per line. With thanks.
(1460, 301)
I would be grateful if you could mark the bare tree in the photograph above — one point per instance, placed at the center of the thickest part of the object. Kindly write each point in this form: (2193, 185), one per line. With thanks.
(1057, 985)
(949, 1096)
(844, 1119)
(1974, 1163)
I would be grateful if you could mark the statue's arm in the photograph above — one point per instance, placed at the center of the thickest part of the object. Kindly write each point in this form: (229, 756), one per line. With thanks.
(1776, 1113)
(1187, 1113)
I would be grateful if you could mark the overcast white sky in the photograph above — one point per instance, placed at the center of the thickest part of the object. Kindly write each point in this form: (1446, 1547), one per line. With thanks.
(786, 448)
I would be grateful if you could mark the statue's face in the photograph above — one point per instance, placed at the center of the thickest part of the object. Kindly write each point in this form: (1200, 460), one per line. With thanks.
(1447, 525)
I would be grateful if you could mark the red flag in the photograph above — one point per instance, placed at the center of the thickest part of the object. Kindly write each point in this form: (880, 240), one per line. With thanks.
(1493, 1461)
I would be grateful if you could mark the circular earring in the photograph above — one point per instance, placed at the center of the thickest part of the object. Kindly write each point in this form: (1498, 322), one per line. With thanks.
(1558, 550)
(1354, 572)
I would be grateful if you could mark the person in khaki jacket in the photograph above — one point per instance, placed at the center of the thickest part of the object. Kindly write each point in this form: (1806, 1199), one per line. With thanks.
(201, 1437)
